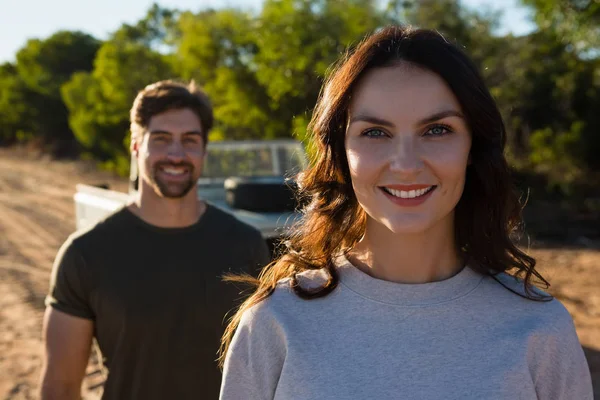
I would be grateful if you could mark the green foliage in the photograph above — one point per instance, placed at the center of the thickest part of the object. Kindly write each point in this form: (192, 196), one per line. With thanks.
(550, 148)
(46, 64)
(216, 50)
(30, 99)
(157, 30)
(119, 164)
(576, 22)
(14, 113)
(261, 71)
(556, 156)
(315, 33)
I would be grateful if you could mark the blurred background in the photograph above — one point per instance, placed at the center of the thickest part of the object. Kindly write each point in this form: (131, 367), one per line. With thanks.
(70, 70)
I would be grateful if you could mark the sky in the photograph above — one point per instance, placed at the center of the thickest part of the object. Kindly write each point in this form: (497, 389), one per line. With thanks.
(21, 20)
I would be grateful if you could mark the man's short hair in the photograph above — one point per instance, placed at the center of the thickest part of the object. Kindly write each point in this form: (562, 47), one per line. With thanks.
(169, 95)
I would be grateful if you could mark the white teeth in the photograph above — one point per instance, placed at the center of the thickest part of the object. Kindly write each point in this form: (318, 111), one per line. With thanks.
(172, 171)
(408, 194)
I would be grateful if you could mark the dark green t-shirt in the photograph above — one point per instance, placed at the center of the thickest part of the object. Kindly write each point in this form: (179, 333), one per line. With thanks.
(156, 298)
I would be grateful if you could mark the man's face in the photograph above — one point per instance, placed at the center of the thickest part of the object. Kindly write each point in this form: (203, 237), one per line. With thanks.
(171, 153)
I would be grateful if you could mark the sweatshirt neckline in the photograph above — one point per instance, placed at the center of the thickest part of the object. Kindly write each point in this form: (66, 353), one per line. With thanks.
(407, 294)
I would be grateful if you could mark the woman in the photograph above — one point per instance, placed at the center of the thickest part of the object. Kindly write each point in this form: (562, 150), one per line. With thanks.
(395, 285)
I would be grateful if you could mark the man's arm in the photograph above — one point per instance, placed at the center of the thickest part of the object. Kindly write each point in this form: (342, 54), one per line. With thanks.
(68, 340)
(68, 325)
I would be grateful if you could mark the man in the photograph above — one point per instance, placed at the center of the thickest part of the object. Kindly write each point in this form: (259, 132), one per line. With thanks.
(146, 281)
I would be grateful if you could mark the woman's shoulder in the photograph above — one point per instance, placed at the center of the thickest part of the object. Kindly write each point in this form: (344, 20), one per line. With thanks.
(534, 303)
(283, 302)
(308, 280)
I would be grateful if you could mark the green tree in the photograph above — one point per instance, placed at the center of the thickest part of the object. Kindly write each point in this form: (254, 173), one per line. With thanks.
(15, 114)
(575, 26)
(157, 30)
(46, 64)
(576, 22)
(43, 66)
(298, 41)
(217, 49)
(264, 72)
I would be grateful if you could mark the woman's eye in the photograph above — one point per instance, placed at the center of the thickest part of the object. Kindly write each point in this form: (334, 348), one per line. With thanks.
(438, 130)
(374, 133)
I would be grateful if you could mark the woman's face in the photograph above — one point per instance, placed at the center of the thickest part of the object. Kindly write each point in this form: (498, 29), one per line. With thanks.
(407, 144)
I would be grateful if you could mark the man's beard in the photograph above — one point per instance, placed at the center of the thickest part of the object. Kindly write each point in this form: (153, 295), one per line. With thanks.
(172, 190)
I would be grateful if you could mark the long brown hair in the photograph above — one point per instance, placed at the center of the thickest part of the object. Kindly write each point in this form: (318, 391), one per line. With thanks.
(487, 216)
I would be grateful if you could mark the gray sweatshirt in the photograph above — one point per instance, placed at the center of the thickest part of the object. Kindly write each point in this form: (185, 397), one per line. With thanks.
(464, 338)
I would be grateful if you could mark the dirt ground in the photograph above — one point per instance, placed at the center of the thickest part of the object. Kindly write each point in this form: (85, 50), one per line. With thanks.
(37, 214)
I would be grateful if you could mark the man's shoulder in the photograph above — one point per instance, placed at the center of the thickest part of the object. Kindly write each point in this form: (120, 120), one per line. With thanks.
(110, 226)
(232, 225)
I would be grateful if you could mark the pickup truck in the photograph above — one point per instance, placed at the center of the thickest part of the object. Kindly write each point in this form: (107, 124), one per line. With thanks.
(251, 179)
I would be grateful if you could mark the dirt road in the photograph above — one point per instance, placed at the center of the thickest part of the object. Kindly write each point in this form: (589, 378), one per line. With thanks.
(37, 215)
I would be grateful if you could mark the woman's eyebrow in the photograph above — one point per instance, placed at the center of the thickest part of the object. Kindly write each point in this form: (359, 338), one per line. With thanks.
(383, 122)
(371, 119)
(441, 115)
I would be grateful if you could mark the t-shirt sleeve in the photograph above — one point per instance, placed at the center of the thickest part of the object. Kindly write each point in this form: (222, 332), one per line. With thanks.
(560, 370)
(255, 358)
(69, 291)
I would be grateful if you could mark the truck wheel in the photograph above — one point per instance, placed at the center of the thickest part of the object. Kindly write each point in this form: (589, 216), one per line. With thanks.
(264, 194)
